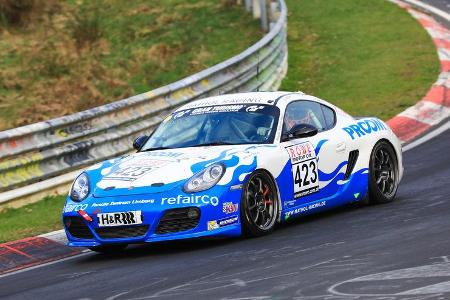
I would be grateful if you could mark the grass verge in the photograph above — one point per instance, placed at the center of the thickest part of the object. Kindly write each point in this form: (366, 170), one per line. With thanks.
(33, 219)
(367, 57)
(67, 56)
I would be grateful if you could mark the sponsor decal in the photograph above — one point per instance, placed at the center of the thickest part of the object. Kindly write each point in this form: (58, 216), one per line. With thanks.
(304, 209)
(120, 218)
(116, 203)
(253, 108)
(180, 114)
(135, 169)
(208, 109)
(236, 187)
(215, 109)
(364, 127)
(304, 169)
(223, 101)
(74, 207)
(216, 224)
(191, 199)
(229, 207)
(301, 152)
(163, 154)
(289, 203)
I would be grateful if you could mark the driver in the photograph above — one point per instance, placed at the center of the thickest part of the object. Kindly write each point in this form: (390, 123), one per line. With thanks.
(297, 115)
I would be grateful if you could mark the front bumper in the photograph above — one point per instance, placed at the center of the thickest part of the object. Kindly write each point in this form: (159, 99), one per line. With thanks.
(218, 207)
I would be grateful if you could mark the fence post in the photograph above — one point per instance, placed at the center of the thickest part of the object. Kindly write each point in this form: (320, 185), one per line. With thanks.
(248, 5)
(264, 15)
(256, 9)
(273, 13)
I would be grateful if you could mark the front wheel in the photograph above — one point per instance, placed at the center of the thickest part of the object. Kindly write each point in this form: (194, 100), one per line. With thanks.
(109, 249)
(383, 174)
(259, 205)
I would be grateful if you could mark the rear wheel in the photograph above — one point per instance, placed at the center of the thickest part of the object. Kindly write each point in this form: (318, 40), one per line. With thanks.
(383, 174)
(109, 249)
(259, 208)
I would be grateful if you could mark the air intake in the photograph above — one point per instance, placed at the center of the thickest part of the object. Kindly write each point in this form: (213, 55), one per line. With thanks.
(77, 228)
(179, 219)
(352, 158)
(121, 232)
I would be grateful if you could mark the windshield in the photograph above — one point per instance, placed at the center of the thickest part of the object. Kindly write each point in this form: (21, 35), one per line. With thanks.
(216, 125)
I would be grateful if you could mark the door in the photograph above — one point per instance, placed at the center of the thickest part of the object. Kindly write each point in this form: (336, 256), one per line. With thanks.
(318, 163)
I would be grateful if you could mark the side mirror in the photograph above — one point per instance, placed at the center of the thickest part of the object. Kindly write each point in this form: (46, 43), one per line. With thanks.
(139, 142)
(300, 131)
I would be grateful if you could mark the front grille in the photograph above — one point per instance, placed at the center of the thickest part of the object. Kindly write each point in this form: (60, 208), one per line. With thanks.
(122, 231)
(179, 219)
(77, 228)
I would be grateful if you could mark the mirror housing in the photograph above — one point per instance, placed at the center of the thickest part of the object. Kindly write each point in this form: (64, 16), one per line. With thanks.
(139, 142)
(300, 131)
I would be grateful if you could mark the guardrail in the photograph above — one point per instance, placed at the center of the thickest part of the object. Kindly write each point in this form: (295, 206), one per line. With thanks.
(41, 156)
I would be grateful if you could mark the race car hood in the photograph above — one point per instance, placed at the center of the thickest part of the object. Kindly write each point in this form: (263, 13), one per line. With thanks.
(162, 170)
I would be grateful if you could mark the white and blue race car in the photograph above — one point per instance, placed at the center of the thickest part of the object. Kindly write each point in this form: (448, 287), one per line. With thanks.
(233, 164)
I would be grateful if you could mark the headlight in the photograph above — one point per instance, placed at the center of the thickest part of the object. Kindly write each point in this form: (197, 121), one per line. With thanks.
(205, 179)
(80, 188)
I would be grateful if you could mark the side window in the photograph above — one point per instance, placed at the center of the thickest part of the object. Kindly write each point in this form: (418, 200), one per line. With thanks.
(304, 112)
(329, 116)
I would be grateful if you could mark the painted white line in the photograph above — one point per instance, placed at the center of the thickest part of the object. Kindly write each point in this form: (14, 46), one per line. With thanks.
(420, 15)
(443, 54)
(428, 136)
(430, 8)
(444, 79)
(427, 112)
(83, 253)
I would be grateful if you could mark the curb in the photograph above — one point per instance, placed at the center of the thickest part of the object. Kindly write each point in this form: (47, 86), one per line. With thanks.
(435, 106)
(408, 125)
(33, 251)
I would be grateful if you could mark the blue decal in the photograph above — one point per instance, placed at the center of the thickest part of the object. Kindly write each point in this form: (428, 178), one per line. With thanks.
(243, 169)
(326, 198)
(201, 165)
(328, 176)
(319, 146)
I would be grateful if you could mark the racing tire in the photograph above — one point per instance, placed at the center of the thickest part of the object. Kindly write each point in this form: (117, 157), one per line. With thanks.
(383, 174)
(109, 249)
(259, 205)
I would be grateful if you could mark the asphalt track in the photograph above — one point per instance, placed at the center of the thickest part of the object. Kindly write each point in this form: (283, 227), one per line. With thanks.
(399, 250)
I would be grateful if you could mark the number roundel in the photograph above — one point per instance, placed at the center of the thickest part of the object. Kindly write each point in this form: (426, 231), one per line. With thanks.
(304, 169)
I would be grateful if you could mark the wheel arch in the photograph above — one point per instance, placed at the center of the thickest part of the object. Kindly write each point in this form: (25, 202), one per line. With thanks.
(397, 152)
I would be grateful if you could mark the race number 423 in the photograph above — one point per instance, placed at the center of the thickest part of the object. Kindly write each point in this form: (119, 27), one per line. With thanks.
(304, 169)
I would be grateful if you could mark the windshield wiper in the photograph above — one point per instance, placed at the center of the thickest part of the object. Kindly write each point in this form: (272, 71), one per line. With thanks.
(217, 143)
(156, 148)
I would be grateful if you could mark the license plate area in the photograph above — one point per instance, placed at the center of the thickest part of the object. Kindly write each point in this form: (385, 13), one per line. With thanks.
(120, 218)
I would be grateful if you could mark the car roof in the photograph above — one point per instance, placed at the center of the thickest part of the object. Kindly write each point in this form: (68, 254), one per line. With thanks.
(239, 98)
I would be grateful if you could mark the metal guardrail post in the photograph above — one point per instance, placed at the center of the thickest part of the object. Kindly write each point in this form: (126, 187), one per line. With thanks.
(248, 5)
(264, 15)
(256, 9)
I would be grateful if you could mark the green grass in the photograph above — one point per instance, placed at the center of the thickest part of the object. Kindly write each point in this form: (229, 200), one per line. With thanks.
(87, 53)
(33, 219)
(367, 57)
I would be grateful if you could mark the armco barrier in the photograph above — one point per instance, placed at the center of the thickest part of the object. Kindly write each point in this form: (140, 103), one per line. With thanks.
(43, 155)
